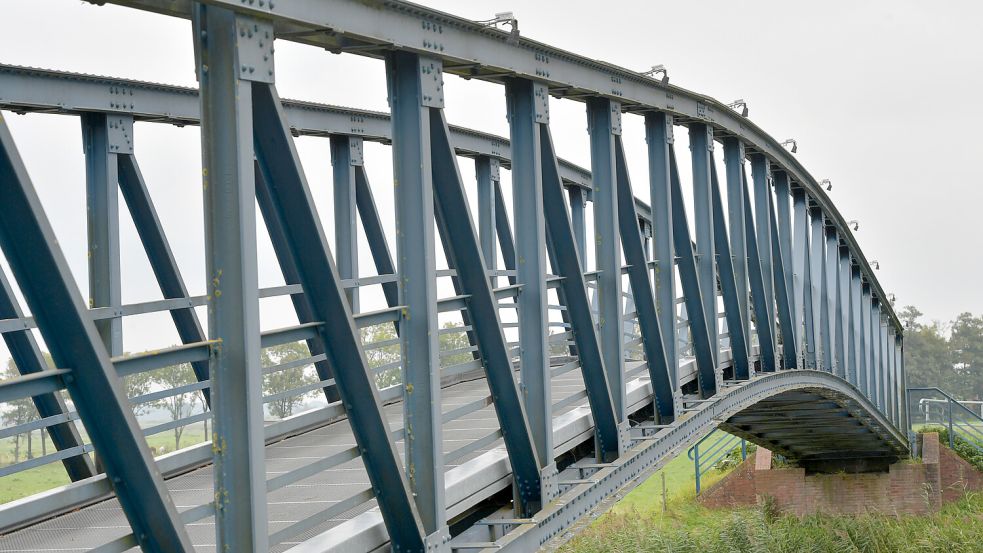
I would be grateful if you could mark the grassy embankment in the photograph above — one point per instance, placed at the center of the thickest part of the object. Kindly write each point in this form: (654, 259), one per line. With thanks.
(637, 523)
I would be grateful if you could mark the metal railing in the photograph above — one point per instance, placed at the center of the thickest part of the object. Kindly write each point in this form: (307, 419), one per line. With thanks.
(937, 407)
(716, 445)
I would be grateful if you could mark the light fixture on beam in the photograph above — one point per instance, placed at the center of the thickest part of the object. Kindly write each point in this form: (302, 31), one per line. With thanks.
(505, 18)
(795, 146)
(656, 69)
(739, 104)
(855, 224)
(826, 184)
(876, 265)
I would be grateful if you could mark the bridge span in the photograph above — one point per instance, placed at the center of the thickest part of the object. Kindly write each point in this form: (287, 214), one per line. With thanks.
(575, 371)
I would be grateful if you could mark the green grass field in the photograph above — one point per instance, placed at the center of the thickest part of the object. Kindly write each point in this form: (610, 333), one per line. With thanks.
(52, 475)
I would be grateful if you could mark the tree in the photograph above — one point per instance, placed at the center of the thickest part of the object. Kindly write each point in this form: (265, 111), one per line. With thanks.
(179, 405)
(387, 352)
(283, 380)
(18, 411)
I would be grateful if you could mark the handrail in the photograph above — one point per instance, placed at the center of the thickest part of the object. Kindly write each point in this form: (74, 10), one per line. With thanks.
(973, 439)
(720, 448)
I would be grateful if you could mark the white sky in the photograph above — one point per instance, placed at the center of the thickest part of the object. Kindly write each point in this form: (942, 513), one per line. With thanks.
(881, 97)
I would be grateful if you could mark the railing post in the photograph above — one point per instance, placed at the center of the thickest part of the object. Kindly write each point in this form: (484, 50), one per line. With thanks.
(346, 155)
(416, 262)
(696, 465)
(528, 108)
(604, 123)
(104, 136)
(231, 270)
(951, 439)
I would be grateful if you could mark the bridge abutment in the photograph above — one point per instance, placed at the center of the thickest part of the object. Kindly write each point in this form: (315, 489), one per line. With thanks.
(855, 487)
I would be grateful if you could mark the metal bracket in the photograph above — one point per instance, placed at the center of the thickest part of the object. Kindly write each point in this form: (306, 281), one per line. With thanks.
(431, 82)
(709, 138)
(355, 151)
(439, 541)
(550, 477)
(254, 48)
(541, 102)
(670, 137)
(624, 436)
(495, 167)
(120, 133)
(616, 118)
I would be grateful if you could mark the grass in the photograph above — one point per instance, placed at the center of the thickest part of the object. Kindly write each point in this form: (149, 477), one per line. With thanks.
(638, 523)
(39, 479)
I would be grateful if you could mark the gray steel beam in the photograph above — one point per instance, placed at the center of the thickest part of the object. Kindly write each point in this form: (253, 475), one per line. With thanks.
(232, 272)
(504, 231)
(829, 318)
(487, 173)
(528, 109)
(604, 125)
(30, 246)
(761, 175)
(783, 301)
(641, 289)
(758, 277)
(101, 140)
(876, 373)
(375, 235)
(708, 378)
(409, 76)
(734, 161)
(659, 135)
(817, 246)
(346, 154)
(162, 262)
(28, 359)
(464, 253)
(474, 50)
(734, 313)
(802, 311)
(701, 150)
(844, 313)
(565, 257)
(578, 203)
(291, 198)
(861, 320)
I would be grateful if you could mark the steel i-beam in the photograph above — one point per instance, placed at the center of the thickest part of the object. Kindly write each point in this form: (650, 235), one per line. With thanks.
(486, 172)
(761, 176)
(734, 161)
(701, 150)
(346, 154)
(783, 240)
(757, 277)
(817, 246)
(802, 311)
(829, 316)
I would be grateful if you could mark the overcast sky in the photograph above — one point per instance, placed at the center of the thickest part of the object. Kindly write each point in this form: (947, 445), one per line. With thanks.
(882, 98)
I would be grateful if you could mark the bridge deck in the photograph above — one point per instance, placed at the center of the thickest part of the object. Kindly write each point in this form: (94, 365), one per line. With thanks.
(97, 524)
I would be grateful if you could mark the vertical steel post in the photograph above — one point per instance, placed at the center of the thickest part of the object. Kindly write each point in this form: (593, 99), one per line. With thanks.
(856, 328)
(578, 202)
(817, 246)
(734, 161)
(831, 337)
(863, 341)
(659, 135)
(764, 325)
(375, 236)
(802, 316)
(103, 137)
(701, 150)
(40, 268)
(844, 334)
(486, 171)
(225, 42)
(877, 375)
(604, 124)
(761, 175)
(641, 287)
(783, 300)
(784, 233)
(528, 108)
(504, 231)
(346, 154)
(416, 261)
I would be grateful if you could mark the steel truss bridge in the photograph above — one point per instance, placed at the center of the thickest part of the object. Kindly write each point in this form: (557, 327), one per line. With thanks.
(763, 317)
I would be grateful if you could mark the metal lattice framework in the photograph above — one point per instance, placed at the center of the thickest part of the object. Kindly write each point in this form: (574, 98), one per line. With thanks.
(766, 321)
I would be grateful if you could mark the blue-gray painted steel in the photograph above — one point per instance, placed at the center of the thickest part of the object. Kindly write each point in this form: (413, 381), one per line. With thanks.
(829, 316)
(578, 217)
(528, 108)
(641, 289)
(375, 235)
(758, 277)
(346, 154)
(27, 357)
(42, 272)
(801, 306)
(464, 253)
(783, 239)
(659, 135)
(817, 246)
(487, 174)
(232, 276)
(843, 313)
(734, 161)
(783, 301)
(291, 196)
(761, 175)
(566, 261)
(706, 369)
(102, 217)
(604, 124)
(407, 75)
(727, 277)
(701, 153)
